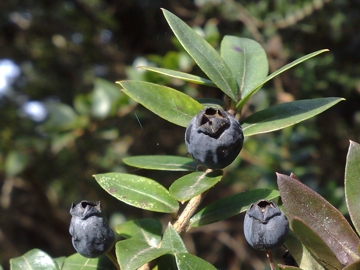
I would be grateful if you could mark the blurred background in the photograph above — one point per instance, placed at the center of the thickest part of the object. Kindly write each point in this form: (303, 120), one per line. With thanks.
(63, 119)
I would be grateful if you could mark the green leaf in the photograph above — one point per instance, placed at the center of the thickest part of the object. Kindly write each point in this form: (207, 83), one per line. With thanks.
(163, 163)
(194, 184)
(147, 229)
(180, 75)
(230, 206)
(352, 183)
(207, 58)
(286, 114)
(78, 262)
(172, 105)
(133, 253)
(247, 60)
(172, 240)
(15, 162)
(33, 259)
(245, 98)
(323, 218)
(299, 252)
(138, 191)
(315, 244)
(60, 261)
(61, 117)
(105, 95)
(166, 262)
(187, 261)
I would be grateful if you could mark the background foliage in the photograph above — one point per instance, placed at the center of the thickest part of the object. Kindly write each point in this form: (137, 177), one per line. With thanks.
(63, 48)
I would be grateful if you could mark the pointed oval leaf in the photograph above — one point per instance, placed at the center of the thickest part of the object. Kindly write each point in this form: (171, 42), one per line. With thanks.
(133, 253)
(247, 60)
(138, 191)
(323, 218)
(352, 183)
(147, 229)
(245, 98)
(168, 103)
(207, 58)
(163, 163)
(180, 75)
(301, 255)
(78, 262)
(317, 247)
(286, 114)
(33, 259)
(230, 206)
(187, 261)
(194, 184)
(172, 240)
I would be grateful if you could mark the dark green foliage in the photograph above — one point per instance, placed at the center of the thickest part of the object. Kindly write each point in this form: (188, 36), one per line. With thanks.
(63, 47)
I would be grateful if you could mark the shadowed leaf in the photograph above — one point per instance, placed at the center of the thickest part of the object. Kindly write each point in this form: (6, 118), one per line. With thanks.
(315, 244)
(352, 183)
(133, 253)
(323, 218)
(148, 229)
(230, 206)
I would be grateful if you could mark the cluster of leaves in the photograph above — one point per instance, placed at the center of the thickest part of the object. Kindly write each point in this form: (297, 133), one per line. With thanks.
(239, 71)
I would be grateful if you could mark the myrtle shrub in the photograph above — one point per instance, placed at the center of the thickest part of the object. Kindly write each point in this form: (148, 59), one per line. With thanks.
(314, 232)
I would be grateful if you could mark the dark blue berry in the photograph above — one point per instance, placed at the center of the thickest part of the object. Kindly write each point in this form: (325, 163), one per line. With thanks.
(90, 231)
(265, 225)
(214, 138)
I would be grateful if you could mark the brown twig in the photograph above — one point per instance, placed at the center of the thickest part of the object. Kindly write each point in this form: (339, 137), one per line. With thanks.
(181, 225)
(269, 255)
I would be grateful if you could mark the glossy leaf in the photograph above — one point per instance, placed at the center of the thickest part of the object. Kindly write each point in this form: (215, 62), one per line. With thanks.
(247, 60)
(317, 247)
(33, 259)
(301, 255)
(352, 183)
(230, 206)
(172, 240)
(147, 229)
(168, 103)
(245, 98)
(323, 218)
(187, 261)
(60, 261)
(194, 184)
(61, 117)
(286, 114)
(180, 75)
(78, 262)
(163, 163)
(133, 253)
(207, 58)
(138, 191)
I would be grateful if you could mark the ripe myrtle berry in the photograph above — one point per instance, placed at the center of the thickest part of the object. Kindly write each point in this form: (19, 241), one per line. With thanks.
(265, 225)
(91, 234)
(214, 138)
